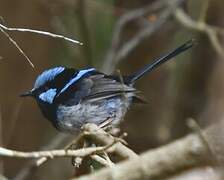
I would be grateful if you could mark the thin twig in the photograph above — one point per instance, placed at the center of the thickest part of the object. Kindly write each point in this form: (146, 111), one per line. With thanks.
(53, 144)
(4, 30)
(121, 23)
(32, 165)
(107, 158)
(140, 36)
(101, 160)
(201, 26)
(43, 160)
(48, 154)
(115, 53)
(15, 44)
(41, 33)
(4, 152)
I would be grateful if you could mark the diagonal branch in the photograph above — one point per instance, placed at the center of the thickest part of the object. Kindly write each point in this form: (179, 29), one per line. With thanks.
(187, 152)
(99, 136)
(200, 26)
(41, 33)
(115, 53)
(5, 29)
(16, 45)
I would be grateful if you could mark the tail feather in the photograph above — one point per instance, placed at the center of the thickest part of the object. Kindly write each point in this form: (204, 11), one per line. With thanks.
(148, 68)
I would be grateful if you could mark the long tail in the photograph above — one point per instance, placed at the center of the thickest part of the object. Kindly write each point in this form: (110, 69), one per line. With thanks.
(148, 68)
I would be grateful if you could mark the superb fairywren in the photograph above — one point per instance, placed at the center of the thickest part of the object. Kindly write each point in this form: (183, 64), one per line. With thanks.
(70, 98)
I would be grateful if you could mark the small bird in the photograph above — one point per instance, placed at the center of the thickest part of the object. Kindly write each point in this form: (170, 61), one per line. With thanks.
(70, 98)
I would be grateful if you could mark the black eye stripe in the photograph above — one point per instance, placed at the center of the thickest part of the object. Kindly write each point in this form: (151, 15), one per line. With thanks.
(62, 78)
(59, 80)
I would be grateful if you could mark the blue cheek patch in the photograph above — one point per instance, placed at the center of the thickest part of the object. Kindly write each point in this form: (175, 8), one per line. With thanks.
(48, 96)
(76, 78)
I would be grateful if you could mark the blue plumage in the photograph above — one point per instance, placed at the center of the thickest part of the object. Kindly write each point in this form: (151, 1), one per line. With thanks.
(47, 75)
(70, 98)
(80, 74)
(48, 96)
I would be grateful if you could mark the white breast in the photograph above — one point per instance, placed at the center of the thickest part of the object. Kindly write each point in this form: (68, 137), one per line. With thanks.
(71, 118)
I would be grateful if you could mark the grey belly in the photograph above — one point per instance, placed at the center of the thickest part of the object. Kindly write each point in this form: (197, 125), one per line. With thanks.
(71, 118)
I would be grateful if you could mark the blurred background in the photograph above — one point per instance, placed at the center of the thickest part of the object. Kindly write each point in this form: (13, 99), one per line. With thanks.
(122, 35)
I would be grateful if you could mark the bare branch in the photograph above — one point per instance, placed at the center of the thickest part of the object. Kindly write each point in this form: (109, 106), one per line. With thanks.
(101, 160)
(115, 53)
(53, 153)
(4, 30)
(83, 152)
(186, 152)
(201, 26)
(41, 33)
(15, 44)
(4, 152)
(32, 165)
(99, 136)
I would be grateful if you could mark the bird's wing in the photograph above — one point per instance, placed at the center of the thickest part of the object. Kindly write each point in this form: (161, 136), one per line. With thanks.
(106, 87)
(93, 87)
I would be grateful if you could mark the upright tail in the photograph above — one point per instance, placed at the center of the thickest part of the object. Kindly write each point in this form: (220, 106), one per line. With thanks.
(148, 68)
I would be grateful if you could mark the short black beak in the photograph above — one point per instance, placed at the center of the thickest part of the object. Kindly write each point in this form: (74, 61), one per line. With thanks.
(28, 93)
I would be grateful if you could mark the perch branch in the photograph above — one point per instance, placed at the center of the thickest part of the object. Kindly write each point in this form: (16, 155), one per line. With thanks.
(32, 165)
(101, 160)
(187, 152)
(99, 136)
(204, 147)
(42, 160)
(88, 131)
(51, 154)
(190, 151)
(25, 172)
